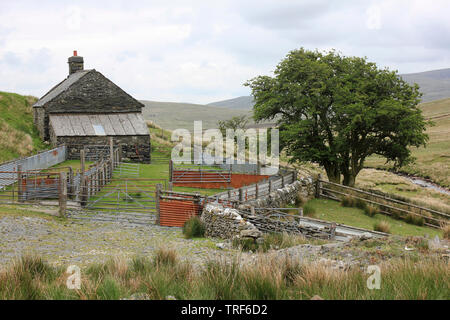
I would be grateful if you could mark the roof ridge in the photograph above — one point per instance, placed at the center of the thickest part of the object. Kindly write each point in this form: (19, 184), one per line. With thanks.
(85, 72)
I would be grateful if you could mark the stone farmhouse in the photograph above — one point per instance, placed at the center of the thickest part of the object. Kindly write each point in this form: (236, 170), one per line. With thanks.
(86, 109)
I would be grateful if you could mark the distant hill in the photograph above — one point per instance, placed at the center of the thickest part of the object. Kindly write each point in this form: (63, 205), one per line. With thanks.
(242, 103)
(173, 115)
(433, 84)
(18, 135)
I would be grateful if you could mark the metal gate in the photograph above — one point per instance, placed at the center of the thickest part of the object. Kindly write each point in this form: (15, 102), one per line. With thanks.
(122, 199)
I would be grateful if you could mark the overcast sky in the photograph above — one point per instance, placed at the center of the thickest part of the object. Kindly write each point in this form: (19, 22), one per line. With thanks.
(203, 51)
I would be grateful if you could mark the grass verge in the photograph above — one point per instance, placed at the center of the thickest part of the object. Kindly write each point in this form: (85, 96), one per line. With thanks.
(268, 278)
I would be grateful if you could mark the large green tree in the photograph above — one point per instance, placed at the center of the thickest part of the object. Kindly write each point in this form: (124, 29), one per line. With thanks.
(336, 111)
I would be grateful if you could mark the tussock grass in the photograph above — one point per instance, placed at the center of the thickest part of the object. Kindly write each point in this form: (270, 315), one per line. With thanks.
(371, 210)
(382, 226)
(446, 231)
(194, 227)
(414, 219)
(309, 211)
(269, 277)
(165, 257)
(347, 201)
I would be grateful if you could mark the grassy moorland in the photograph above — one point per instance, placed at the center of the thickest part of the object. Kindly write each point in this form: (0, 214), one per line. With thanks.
(331, 210)
(164, 275)
(433, 161)
(18, 136)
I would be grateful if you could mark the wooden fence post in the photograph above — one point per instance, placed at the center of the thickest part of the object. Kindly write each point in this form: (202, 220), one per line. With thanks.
(241, 195)
(62, 194)
(19, 183)
(270, 186)
(70, 185)
(282, 181)
(256, 191)
(318, 185)
(170, 170)
(82, 168)
(157, 201)
(111, 148)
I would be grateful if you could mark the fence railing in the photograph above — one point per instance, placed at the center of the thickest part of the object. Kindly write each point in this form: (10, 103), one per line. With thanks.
(257, 190)
(42, 160)
(384, 203)
(127, 169)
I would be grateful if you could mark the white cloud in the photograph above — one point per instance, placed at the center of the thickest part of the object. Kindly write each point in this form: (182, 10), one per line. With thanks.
(205, 51)
(373, 17)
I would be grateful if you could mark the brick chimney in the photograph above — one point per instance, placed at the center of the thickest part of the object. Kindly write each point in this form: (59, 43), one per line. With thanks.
(75, 63)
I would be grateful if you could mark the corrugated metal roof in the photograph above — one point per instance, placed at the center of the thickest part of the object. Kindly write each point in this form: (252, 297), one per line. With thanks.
(113, 124)
(61, 87)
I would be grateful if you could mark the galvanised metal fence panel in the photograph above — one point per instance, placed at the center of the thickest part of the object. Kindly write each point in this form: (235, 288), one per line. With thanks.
(43, 160)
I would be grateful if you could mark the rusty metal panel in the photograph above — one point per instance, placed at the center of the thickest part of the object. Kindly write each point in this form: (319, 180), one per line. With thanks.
(174, 213)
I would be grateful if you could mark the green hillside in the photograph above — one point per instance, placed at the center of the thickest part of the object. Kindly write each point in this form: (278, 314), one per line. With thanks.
(173, 115)
(433, 161)
(18, 136)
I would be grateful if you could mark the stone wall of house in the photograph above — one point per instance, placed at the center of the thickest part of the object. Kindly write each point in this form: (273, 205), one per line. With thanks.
(39, 121)
(226, 223)
(134, 148)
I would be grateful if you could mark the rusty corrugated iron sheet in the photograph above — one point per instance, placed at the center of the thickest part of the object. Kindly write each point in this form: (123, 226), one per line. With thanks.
(211, 180)
(174, 213)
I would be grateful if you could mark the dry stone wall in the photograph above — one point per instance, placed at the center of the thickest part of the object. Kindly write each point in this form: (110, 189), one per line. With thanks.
(227, 223)
(303, 187)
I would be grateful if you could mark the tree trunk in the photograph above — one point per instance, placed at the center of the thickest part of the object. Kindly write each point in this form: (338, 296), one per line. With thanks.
(349, 180)
(333, 174)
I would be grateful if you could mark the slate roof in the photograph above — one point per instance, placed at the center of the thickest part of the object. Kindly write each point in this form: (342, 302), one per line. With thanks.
(61, 87)
(114, 124)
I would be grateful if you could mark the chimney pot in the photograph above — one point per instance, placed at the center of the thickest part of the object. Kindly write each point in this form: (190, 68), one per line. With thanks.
(76, 63)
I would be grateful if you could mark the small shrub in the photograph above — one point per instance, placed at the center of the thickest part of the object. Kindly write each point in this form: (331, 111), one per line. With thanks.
(309, 210)
(446, 231)
(165, 257)
(370, 210)
(347, 201)
(414, 219)
(382, 226)
(194, 227)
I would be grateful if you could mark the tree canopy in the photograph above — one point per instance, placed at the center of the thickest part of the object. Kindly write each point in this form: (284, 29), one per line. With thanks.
(336, 111)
